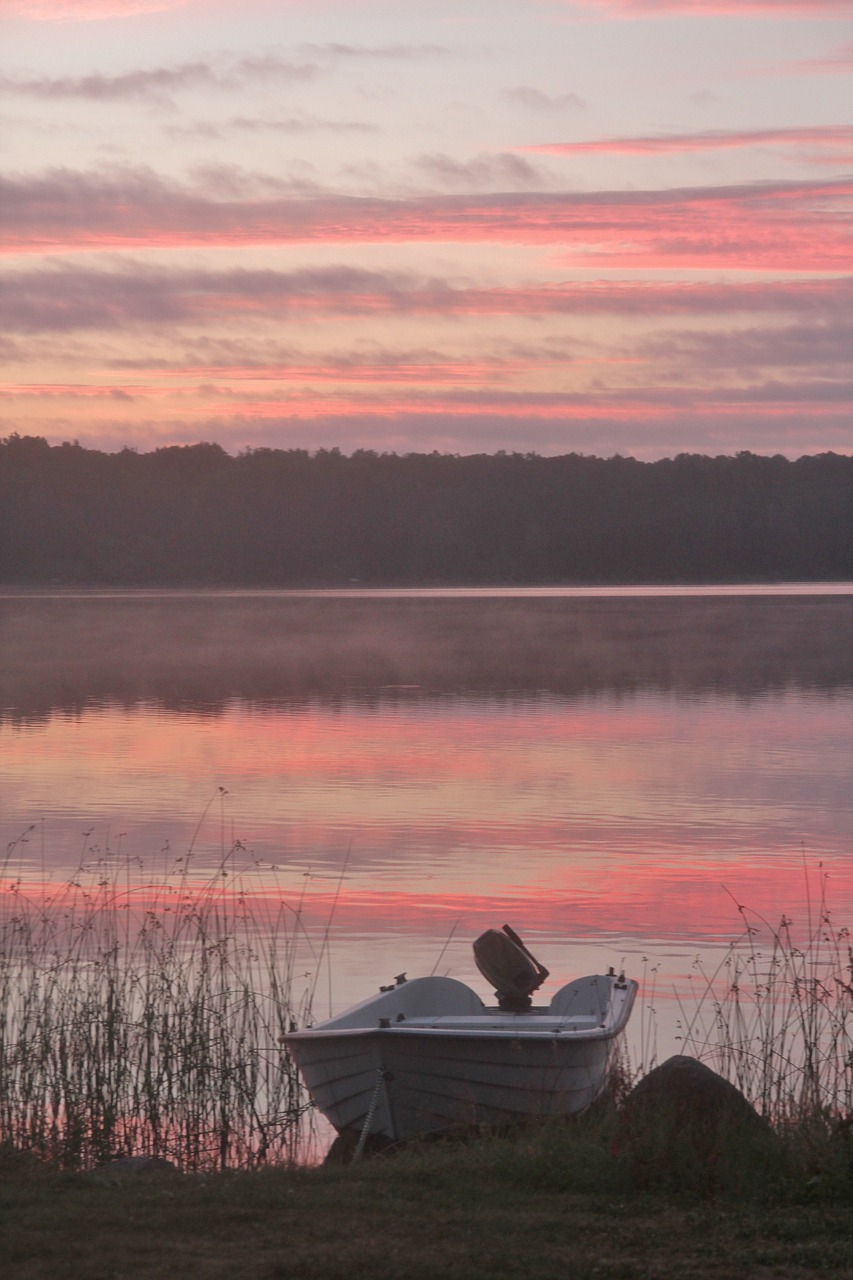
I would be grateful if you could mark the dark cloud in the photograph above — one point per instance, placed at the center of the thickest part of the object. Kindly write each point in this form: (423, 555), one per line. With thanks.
(301, 124)
(66, 297)
(272, 66)
(291, 126)
(501, 171)
(822, 346)
(159, 83)
(155, 83)
(392, 52)
(218, 181)
(526, 96)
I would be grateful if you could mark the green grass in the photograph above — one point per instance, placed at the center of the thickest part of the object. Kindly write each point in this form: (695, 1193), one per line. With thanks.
(553, 1201)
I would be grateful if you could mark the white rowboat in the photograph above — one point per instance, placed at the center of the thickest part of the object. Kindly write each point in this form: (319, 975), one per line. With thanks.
(428, 1055)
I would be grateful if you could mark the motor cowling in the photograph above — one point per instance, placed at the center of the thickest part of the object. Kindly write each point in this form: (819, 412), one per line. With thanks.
(506, 963)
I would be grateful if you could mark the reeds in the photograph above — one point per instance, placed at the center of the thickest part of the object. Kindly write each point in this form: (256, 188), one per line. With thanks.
(146, 1017)
(776, 1015)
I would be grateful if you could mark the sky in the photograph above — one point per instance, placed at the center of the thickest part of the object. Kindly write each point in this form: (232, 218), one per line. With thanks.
(594, 226)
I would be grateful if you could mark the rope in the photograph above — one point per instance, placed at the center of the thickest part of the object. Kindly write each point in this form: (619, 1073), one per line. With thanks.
(381, 1077)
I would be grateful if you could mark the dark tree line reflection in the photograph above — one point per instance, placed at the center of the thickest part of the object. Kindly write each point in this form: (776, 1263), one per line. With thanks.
(200, 650)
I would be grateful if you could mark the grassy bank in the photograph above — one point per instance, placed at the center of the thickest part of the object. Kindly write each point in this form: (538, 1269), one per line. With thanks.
(562, 1201)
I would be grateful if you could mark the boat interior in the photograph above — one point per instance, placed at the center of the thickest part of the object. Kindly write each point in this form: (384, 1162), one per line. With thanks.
(582, 1005)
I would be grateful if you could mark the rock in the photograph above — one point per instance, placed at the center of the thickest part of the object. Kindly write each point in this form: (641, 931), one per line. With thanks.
(134, 1167)
(685, 1123)
(343, 1149)
(694, 1093)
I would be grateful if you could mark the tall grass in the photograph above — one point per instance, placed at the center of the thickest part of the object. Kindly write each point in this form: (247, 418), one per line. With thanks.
(776, 1015)
(146, 1018)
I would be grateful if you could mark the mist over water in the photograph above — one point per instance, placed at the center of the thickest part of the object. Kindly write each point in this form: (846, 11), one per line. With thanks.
(611, 773)
(202, 650)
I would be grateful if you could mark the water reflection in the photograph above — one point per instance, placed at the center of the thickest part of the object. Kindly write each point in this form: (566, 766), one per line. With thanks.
(603, 772)
(199, 651)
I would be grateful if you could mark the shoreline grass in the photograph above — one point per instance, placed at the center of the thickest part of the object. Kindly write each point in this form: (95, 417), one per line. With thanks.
(145, 1017)
(546, 1201)
(776, 1016)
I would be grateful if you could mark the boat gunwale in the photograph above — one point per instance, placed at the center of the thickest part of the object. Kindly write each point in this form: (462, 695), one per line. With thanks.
(524, 1028)
(474, 1033)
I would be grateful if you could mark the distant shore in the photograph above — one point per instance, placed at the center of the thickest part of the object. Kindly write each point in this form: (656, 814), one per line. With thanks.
(195, 515)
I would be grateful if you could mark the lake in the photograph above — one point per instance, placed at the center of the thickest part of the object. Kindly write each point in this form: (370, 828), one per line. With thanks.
(611, 771)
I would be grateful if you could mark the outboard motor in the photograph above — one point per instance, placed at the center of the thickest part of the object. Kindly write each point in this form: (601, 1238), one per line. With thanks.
(505, 962)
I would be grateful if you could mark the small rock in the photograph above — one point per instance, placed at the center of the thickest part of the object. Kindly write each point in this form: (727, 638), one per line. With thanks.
(133, 1167)
(343, 1149)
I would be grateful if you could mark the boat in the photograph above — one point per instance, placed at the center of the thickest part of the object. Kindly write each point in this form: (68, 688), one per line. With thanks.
(425, 1055)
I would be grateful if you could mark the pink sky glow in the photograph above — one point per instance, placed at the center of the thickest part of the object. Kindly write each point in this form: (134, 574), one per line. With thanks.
(594, 225)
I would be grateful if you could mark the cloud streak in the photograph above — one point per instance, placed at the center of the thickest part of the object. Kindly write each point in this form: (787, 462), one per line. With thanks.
(64, 298)
(840, 60)
(773, 226)
(391, 52)
(832, 143)
(158, 83)
(301, 125)
(724, 8)
(87, 10)
(527, 96)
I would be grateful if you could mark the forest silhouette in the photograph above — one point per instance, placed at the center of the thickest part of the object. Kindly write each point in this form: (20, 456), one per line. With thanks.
(196, 516)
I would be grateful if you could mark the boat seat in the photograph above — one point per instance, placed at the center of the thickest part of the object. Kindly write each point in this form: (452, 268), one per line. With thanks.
(417, 998)
(583, 998)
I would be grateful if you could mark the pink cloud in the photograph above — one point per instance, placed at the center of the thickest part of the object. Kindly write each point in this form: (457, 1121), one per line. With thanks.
(771, 226)
(83, 391)
(833, 143)
(730, 8)
(840, 60)
(85, 10)
(89, 10)
(633, 404)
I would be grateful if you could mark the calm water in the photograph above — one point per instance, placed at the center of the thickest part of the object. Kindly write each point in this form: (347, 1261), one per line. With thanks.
(606, 770)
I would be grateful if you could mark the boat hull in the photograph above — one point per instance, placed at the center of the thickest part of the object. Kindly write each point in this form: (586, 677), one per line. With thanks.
(387, 1068)
(424, 1083)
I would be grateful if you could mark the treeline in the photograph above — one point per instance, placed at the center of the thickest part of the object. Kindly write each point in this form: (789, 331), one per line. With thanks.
(196, 515)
